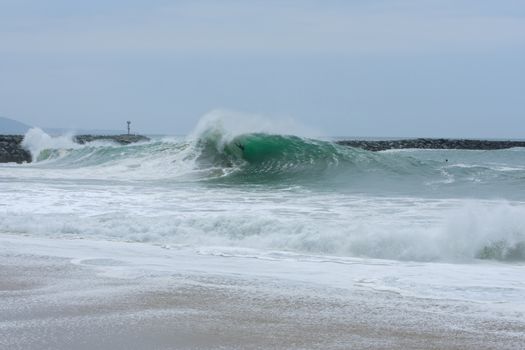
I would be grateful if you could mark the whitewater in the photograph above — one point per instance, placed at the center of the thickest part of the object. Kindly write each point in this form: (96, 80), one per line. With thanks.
(253, 199)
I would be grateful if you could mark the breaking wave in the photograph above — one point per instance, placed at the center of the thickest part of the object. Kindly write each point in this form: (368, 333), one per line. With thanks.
(219, 152)
(466, 232)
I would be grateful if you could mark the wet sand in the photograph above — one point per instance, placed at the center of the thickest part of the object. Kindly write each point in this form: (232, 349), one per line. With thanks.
(47, 302)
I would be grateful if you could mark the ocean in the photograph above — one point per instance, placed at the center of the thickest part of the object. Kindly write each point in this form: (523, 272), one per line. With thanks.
(432, 224)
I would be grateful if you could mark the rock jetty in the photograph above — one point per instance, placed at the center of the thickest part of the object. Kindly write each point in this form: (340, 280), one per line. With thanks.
(426, 143)
(11, 149)
(124, 139)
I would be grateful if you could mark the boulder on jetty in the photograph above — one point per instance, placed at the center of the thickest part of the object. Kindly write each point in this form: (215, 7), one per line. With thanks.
(426, 143)
(11, 149)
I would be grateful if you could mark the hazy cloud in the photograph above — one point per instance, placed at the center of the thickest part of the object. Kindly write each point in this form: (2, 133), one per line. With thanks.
(290, 26)
(382, 67)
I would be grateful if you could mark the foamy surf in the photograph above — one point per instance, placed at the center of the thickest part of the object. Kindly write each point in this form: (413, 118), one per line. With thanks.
(256, 186)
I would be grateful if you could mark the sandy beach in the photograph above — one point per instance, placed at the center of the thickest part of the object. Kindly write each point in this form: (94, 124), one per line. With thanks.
(55, 302)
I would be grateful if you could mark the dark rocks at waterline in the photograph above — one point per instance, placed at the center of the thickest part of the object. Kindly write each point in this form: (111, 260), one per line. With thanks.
(425, 143)
(124, 139)
(12, 151)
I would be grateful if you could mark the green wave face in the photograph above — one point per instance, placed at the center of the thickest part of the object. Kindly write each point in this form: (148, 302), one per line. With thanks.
(261, 148)
(503, 250)
(265, 158)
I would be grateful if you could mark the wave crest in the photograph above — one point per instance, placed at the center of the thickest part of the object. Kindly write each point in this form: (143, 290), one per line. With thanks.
(36, 141)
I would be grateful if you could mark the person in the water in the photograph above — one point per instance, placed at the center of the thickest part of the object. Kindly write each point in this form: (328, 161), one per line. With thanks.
(240, 145)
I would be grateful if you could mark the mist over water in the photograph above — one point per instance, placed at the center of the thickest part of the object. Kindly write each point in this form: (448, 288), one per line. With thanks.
(247, 183)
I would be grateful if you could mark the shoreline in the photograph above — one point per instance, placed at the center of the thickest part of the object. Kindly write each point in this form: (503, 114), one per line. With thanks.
(84, 294)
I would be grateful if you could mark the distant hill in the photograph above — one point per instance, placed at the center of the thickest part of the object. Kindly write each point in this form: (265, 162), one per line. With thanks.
(10, 126)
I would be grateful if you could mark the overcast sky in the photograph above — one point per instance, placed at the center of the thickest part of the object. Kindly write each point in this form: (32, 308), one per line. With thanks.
(451, 68)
